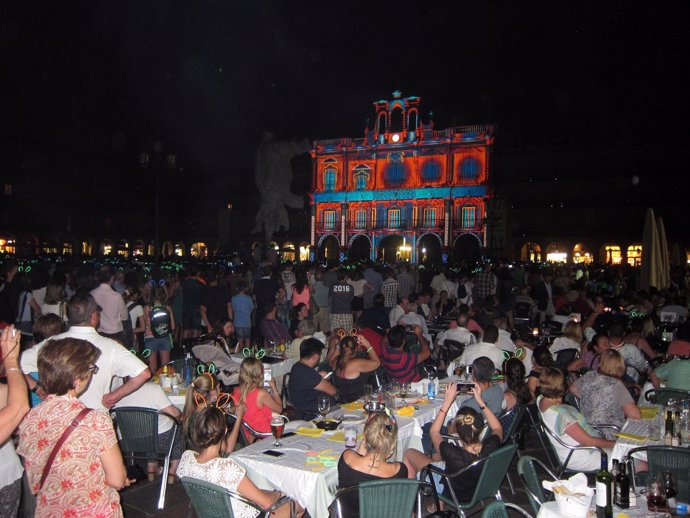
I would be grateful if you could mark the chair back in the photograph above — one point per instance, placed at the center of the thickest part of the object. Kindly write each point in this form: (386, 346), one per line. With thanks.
(669, 458)
(137, 431)
(565, 357)
(499, 509)
(452, 349)
(527, 471)
(284, 394)
(212, 501)
(661, 396)
(391, 498)
(571, 399)
(510, 422)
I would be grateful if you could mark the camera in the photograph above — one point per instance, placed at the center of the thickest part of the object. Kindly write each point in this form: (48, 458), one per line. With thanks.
(409, 328)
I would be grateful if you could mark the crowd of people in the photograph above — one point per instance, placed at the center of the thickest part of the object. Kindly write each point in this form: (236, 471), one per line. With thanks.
(347, 327)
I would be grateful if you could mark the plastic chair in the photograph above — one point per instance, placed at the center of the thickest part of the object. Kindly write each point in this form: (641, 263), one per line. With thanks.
(212, 501)
(562, 466)
(510, 422)
(388, 498)
(665, 458)
(451, 349)
(137, 430)
(499, 509)
(661, 396)
(493, 470)
(527, 472)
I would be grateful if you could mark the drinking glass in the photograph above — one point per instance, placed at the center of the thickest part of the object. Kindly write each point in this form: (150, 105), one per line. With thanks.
(656, 495)
(404, 389)
(460, 370)
(670, 487)
(277, 428)
(324, 406)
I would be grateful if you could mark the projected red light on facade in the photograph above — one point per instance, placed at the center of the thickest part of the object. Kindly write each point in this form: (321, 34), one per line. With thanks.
(405, 191)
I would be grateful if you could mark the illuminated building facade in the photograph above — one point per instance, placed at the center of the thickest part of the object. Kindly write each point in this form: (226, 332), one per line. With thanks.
(405, 191)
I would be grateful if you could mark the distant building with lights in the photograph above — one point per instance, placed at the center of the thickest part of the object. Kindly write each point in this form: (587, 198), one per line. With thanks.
(405, 191)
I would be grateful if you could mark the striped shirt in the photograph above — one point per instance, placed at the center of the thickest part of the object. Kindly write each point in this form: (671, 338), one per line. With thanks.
(400, 365)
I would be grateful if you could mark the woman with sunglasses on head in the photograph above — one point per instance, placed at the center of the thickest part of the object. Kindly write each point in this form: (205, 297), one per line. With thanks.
(260, 402)
(370, 461)
(468, 425)
(209, 434)
(204, 388)
(87, 469)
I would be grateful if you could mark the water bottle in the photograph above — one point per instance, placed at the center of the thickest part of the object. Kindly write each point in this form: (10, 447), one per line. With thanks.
(187, 369)
(431, 390)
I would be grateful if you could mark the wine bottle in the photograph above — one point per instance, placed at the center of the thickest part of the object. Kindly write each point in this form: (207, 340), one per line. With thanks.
(604, 486)
(622, 488)
(668, 425)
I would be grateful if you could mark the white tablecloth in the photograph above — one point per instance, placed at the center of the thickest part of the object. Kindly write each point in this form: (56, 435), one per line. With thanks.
(551, 510)
(637, 427)
(314, 486)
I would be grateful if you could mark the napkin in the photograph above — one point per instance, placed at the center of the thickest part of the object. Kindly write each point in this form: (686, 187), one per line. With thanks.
(406, 411)
(573, 497)
(337, 437)
(648, 412)
(420, 386)
(351, 407)
(631, 436)
(309, 432)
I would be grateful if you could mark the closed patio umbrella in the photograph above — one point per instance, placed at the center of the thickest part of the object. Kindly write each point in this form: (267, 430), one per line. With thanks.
(650, 274)
(665, 269)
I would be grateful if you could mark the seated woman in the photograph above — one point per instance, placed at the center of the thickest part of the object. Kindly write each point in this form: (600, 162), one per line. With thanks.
(351, 372)
(370, 460)
(572, 338)
(604, 399)
(568, 424)
(591, 353)
(260, 402)
(444, 306)
(517, 393)
(643, 335)
(223, 335)
(299, 312)
(541, 360)
(468, 425)
(205, 463)
(206, 387)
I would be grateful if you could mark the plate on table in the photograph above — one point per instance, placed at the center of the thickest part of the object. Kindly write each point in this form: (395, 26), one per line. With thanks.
(351, 420)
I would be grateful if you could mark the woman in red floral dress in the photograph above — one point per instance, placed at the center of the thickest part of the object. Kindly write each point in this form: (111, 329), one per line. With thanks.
(88, 469)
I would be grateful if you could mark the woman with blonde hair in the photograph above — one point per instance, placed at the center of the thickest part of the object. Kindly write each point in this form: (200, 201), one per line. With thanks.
(572, 338)
(604, 399)
(260, 402)
(370, 460)
(568, 424)
(352, 372)
(642, 335)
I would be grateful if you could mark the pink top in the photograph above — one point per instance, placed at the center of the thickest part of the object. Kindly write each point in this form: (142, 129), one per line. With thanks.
(300, 297)
(257, 418)
(76, 484)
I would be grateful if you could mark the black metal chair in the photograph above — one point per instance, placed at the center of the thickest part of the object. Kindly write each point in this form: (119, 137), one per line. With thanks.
(661, 396)
(137, 430)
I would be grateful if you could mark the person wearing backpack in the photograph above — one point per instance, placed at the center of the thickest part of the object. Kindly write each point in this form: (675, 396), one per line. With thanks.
(159, 325)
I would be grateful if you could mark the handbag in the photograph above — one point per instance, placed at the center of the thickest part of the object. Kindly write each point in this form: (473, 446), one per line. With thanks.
(73, 426)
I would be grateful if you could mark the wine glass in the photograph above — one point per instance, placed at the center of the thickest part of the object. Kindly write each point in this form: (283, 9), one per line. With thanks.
(656, 494)
(277, 427)
(324, 406)
(404, 389)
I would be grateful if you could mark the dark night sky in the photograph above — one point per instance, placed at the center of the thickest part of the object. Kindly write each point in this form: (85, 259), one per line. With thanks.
(104, 78)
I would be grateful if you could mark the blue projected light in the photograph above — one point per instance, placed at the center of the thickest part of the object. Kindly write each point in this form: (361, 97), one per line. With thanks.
(469, 168)
(402, 194)
(431, 171)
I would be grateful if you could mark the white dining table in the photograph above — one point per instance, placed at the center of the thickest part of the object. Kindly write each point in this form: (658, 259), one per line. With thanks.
(551, 510)
(299, 473)
(640, 427)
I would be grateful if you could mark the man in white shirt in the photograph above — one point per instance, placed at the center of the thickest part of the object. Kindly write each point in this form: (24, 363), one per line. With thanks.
(115, 360)
(412, 318)
(457, 331)
(398, 311)
(486, 348)
(113, 308)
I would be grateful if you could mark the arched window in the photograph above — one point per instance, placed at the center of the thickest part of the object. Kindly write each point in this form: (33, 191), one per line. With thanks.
(361, 176)
(412, 120)
(431, 171)
(382, 123)
(397, 119)
(635, 255)
(469, 169)
(329, 179)
(395, 174)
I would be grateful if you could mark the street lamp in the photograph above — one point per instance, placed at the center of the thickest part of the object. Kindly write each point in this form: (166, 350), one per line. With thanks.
(158, 162)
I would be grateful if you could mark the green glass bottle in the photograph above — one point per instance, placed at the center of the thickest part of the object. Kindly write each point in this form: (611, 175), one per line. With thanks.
(604, 491)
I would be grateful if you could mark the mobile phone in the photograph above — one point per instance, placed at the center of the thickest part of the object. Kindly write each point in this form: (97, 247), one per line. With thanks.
(289, 434)
(465, 388)
(273, 453)
(267, 377)
(328, 375)
(409, 328)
